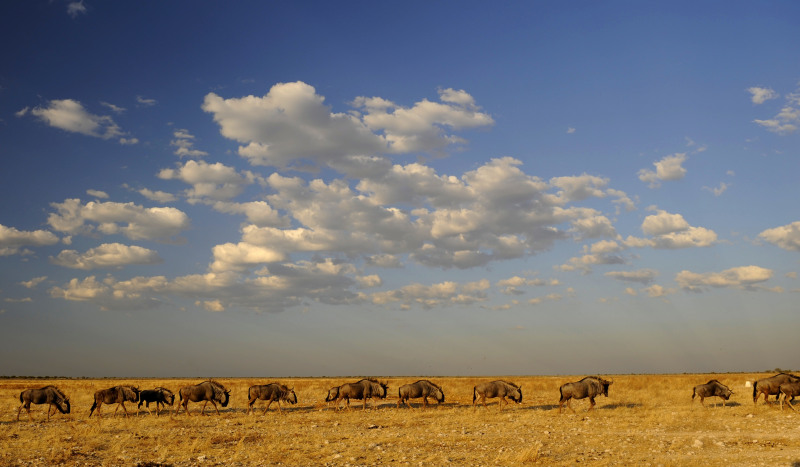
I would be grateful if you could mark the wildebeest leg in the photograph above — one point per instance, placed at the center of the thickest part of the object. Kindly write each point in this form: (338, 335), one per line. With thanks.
(424, 402)
(203, 410)
(215, 406)
(503, 402)
(269, 402)
(591, 402)
(789, 403)
(701, 401)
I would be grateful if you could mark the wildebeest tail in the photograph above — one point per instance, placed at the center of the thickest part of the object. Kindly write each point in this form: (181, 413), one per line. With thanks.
(755, 390)
(94, 406)
(20, 397)
(694, 393)
(474, 394)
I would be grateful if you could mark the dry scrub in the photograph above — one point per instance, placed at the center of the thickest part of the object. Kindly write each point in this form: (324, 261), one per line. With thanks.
(646, 420)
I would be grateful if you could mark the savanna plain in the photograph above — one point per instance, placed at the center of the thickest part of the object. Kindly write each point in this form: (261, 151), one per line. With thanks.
(646, 420)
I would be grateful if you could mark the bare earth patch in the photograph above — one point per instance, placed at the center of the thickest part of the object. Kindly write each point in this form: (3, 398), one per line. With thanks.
(646, 420)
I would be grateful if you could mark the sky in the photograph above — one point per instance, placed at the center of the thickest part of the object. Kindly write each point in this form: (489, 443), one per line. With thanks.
(212, 189)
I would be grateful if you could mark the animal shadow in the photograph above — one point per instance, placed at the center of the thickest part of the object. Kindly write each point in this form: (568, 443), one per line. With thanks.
(542, 407)
(620, 405)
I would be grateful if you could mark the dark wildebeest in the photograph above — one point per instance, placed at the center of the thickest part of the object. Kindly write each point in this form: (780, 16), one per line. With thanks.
(50, 395)
(501, 389)
(364, 389)
(333, 394)
(116, 395)
(789, 391)
(161, 396)
(590, 386)
(771, 386)
(273, 392)
(207, 391)
(422, 388)
(711, 389)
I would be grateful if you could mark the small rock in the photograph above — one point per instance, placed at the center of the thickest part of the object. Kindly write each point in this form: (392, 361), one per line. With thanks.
(697, 443)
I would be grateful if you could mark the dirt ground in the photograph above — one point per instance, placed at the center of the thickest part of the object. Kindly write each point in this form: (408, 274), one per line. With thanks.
(646, 420)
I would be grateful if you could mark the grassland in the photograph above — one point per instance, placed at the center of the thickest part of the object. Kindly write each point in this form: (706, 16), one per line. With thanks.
(646, 420)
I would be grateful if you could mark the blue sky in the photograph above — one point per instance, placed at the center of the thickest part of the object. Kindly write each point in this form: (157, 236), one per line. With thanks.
(398, 188)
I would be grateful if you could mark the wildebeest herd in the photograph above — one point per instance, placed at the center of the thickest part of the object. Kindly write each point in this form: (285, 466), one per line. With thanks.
(369, 388)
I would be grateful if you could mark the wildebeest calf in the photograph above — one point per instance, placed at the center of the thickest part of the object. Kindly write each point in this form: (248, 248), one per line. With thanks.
(50, 395)
(161, 396)
(422, 388)
(711, 389)
(590, 386)
(501, 389)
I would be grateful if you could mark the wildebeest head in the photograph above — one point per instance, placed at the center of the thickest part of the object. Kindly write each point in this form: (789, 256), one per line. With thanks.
(66, 403)
(225, 400)
(291, 397)
(333, 393)
(605, 384)
(168, 396)
(438, 394)
(516, 396)
(384, 388)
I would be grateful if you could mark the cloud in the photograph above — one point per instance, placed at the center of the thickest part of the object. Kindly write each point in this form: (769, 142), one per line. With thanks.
(107, 255)
(184, 141)
(744, 278)
(215, 181)
(657, 291)
(13, 241)
(436, 295)
(31, 284)
(131, 220)
(786, 236)
(786, 121)
(761, 95)
(291, 123)
(570, 130)
(145, 102)
(114, 108)
(258, 213)
(75, 9)
(643, 276)
(211, 305)
(671, 231)
(667, 169)
(97, 194)
(159, 196)
(70, 115)
(718, 190)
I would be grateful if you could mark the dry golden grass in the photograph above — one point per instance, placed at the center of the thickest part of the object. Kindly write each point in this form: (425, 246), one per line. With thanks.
(646, 420)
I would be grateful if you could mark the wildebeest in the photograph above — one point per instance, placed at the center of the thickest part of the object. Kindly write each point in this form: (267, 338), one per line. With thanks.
(422, 388)
(590, 386)
(273, 392)
(116, 395)
(771, 386)
(501, 389)
(789, 391)
(161, 396)
(711, 389)
(50, 395)
(333, 394)
(364, 389)
(207, 391)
